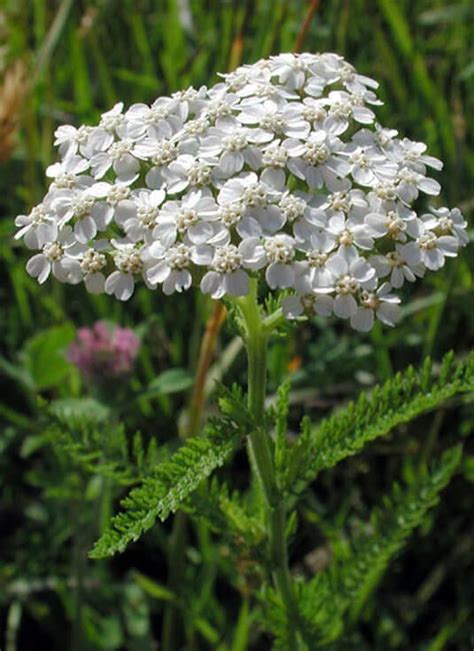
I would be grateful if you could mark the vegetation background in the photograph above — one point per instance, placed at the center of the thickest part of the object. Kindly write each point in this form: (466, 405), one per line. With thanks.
(68, 61)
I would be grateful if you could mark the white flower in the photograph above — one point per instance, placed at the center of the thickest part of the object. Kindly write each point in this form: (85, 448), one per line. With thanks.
(351, 274)
(412, 154)
(314, 112)
(411, 182)
(58, 257)
(382, 304)
(303, 217)
(247, 190)
(138, 212)
(130, 262)
(277, 253)
(291, 70)
(368, 166)
(394, 264)
(226, 275)
(119, 156)
(381, 138)
(156, 152)
(358, 84)
(398, 223)
(221, 104)
(317, 276)
(186, 172)
(70, 140)
(261, 87)
(431, 250)
(66, 174)
(295, 306)
(191, 100)
(173, 269)
(341, 108)
(316, 161)
(447, 222)
(269, 120)
(228, 144)
(79, 206)
(381, 193)
(191, 217)
(38, 228)
(349, 233)
(159, 121)
(92, 263)
(342, 204)
(111, 123)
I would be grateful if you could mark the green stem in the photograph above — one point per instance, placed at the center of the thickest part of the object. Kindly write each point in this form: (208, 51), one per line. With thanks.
(177, 547)
(261, 453)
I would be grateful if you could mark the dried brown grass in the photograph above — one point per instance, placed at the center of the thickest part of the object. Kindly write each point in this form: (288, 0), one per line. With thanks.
(13, 91)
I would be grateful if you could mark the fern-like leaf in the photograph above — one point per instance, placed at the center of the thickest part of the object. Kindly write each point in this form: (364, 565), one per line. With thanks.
(336, 596)
(226, 513)
(375, 414)
(173, 480)
(281, 410)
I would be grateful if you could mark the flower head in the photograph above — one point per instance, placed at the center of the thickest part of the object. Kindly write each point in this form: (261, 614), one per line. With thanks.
(280, 171)
(102, 352)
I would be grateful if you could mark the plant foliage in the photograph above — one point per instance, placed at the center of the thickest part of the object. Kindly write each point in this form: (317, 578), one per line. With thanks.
(82, 432)
(162, 492)
(401, 399)
(227, 513)
(333, 600)
(421, 52)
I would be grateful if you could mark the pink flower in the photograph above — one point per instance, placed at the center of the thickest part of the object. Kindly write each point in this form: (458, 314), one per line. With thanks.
(104, 352)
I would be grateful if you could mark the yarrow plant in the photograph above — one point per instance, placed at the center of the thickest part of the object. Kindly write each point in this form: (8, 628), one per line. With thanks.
(278, 177)
(102, 352)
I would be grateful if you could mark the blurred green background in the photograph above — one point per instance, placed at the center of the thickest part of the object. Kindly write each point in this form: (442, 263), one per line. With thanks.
(66, 62)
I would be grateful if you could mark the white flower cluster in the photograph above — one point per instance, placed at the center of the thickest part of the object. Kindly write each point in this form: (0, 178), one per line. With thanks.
(280, 169)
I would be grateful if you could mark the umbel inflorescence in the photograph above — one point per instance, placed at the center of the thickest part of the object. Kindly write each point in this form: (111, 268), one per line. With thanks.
(279, 170)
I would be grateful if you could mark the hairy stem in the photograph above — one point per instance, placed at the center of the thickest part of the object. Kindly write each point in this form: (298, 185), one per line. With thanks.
(261, 454)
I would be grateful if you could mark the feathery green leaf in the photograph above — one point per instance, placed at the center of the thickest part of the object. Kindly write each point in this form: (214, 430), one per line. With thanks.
(336, 596)
(374, 414)
(162, 493)
(227, 513)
